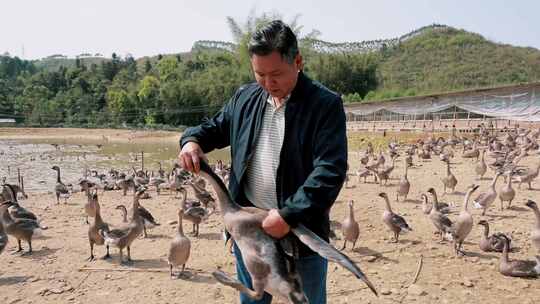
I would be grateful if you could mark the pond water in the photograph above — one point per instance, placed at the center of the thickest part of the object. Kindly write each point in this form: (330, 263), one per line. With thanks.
(35, 158)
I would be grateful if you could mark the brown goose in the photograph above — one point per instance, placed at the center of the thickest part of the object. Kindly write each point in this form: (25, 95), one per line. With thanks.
(124, 237)
(535, 232)
(97, 227)
(507, 193)
(395, 222)
(529, 177)
(490, 243)
(517, 268)
(269, 269)
(449, 181)
(350, 228)
(442, 207)
(180, 248)
(21, 229)
(481, 167)
(404, 185)
(484, 200)
(193, 212)
(202, 195)
(440, 221)
(463, 224)
(149, 221)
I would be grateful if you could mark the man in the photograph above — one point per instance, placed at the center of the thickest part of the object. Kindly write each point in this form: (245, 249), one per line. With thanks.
(288, 149)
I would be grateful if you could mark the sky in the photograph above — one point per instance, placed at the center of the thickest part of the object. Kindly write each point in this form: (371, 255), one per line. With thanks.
(33, 29)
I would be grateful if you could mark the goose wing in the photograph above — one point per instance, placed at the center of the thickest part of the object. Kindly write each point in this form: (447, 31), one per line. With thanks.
(524, 268)
(399, 221)
(20, 212)
(145, 214)
(327, 251)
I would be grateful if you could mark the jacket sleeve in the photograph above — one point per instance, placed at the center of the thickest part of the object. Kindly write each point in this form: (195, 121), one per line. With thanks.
(213, 133)
(322, 186)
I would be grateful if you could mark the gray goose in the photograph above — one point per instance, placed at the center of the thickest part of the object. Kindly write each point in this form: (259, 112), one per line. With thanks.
(180, 248)
(517, 268)
(269, 269)
(441, 206)
(395, 222)
(490, 243)
(60, 189)
(15, 210)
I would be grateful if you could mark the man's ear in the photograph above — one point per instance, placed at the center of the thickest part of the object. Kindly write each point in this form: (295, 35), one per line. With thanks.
(299, 62)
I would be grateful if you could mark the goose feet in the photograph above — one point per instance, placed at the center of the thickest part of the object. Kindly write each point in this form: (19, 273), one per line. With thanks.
(106, 257)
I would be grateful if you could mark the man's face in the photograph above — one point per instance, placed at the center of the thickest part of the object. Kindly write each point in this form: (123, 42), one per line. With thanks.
(275, 74)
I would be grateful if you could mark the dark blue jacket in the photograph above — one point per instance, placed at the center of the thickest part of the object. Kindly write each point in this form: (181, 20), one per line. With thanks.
(313, 159)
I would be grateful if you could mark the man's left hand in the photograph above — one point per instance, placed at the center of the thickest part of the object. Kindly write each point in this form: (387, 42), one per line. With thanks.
(275, 225)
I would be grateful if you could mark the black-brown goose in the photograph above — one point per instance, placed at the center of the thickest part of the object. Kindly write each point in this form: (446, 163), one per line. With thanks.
(60, 189)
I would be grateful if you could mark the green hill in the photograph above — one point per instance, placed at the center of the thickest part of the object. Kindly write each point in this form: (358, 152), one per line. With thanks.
(441, 59)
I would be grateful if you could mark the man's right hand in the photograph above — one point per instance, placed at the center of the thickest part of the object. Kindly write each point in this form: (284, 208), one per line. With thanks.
(190, 156)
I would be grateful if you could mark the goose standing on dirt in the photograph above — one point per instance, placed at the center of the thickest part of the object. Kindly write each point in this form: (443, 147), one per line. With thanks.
(60, 189)
(124, 237)
(490, 243)
(149, 222)
(481, 167)
(395, 222)
(350, 228)
(268, 267)
(193, 212)
(21, 229)
(463, 224)
(507, 193)
(441, 206)
(15, 210)
(404, 185)
(97, 227)
(180, 248)
(202, 195)
(484, 200)
(535, 232)
(529, 177)
(449, 181)
(439, 220)
(517, 268)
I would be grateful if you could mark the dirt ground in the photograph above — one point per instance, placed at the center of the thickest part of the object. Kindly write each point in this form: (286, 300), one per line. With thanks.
(54, 273)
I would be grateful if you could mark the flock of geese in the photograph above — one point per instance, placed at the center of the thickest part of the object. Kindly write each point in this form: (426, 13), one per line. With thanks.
(507, 151)
(239, 222)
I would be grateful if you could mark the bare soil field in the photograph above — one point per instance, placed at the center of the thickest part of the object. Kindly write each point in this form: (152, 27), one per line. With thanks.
(58, 270)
